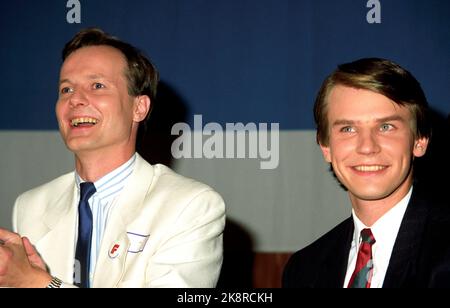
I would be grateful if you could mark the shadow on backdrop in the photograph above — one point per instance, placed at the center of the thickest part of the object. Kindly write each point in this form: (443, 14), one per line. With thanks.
(154, 145)
(155, 142)
(237, 268)
(433, 170)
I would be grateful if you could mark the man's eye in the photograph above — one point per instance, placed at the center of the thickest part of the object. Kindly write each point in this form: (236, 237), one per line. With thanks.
(66, 90)
(98, 85)
(386, 127)
(347, 129)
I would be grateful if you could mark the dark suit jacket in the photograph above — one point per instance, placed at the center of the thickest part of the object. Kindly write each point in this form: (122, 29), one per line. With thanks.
(420, 257)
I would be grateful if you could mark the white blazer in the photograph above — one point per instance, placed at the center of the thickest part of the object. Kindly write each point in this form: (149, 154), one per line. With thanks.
(165, 230)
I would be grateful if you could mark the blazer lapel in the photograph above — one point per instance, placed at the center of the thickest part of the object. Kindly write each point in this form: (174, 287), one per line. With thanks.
(58, 244)
(406, 248)
(334, 270)
(110, 263)
(113, 253)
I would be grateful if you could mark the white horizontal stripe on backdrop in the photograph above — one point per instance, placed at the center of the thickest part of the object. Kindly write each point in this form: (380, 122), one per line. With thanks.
(281, 210)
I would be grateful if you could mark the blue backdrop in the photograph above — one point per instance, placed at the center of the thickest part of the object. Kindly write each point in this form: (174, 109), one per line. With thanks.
(230, 60)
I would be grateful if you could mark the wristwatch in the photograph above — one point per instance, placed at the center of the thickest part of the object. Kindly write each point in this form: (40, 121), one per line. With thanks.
(55, 283)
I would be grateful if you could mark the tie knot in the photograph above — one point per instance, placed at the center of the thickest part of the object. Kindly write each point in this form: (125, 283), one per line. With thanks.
(87, 189)
(367, 236)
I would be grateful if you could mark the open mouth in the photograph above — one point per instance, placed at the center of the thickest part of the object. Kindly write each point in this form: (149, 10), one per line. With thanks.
(371, 168)
(85, 121)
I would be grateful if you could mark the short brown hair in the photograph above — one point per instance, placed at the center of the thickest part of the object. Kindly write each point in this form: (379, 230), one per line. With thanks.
(142, 76)
(381, 76)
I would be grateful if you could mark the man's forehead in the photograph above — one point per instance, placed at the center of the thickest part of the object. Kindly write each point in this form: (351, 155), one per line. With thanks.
(95, 56)
(99, 64)
(88, 76)
(370, 107)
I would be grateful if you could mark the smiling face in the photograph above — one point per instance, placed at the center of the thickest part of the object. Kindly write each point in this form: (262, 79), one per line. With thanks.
(94, 110)
(371, 144)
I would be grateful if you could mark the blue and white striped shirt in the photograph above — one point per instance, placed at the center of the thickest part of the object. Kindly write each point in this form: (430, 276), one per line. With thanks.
(102, 203)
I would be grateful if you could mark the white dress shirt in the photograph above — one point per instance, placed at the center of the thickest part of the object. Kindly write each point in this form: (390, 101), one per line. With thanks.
(102, 203)
(385, 232)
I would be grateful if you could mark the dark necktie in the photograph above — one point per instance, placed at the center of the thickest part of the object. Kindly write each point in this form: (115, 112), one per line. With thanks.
(83, 252)
(362, 276)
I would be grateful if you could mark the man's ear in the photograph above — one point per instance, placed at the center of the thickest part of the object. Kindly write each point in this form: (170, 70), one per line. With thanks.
(420, 147)
(141, 107)
(326, 152)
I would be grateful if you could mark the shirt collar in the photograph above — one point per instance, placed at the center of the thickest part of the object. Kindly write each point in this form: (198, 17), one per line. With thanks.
(386, 228)
(116, 176)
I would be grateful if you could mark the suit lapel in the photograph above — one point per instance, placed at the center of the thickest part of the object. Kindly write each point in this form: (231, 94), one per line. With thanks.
(407, 245)
(111, 265)
(58, 244)
(331, 273)
(112, 257)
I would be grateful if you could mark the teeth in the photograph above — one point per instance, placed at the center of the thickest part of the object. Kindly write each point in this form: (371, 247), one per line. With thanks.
(369, 168)
(78, 121)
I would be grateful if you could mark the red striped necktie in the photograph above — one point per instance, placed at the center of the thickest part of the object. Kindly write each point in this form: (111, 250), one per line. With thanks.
(362, 275)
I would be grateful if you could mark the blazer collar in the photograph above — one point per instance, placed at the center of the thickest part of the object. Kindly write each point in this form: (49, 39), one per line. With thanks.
(61, 220)
(406, 248)
(332, 274)
(110, 266)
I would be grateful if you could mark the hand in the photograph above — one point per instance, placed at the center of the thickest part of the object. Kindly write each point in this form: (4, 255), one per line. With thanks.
(20, 264)
(33, 255)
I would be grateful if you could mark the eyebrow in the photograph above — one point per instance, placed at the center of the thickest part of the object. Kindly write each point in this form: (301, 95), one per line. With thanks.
(379, 120)
(90, 77)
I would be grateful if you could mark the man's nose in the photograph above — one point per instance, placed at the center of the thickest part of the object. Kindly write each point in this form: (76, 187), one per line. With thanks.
(368, 143)
(77, 98)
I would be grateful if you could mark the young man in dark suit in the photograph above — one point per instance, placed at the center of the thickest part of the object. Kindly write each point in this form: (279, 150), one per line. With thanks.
(371, 118)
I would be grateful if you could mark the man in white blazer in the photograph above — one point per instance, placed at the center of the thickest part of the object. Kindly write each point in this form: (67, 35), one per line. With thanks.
(150, 227)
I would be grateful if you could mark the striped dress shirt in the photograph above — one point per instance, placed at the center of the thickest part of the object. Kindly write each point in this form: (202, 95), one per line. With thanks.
(102, 203)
